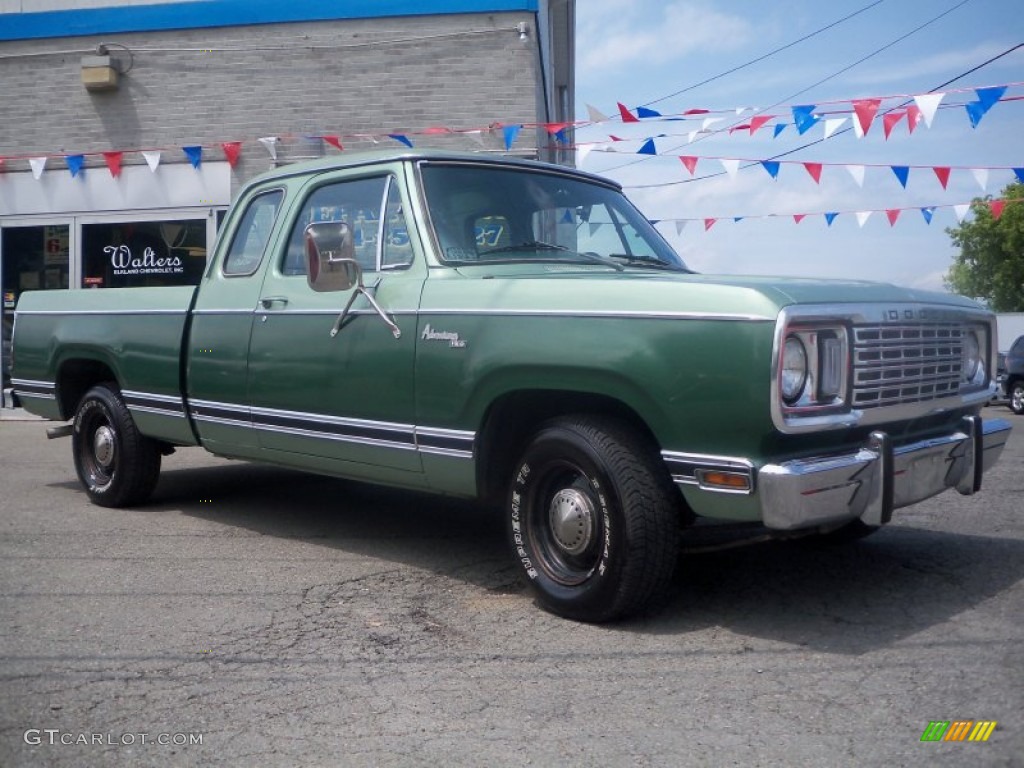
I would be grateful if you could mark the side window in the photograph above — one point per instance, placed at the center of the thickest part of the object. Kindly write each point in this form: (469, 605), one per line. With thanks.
(253, 233)
(397, 250)
(358, 203)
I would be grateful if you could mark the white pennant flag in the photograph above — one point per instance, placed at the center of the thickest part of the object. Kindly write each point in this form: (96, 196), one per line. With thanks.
(980, 176)
(38, 165)
(961, 211)
(709, 121)
(863, 216)
(478, 137)
(858, 129)
(581, 153)
(152, 160)
(270, 144)
(857, 171)
(594, 228)
(731, 166)
(740, 110)
(928, 104)
(680, 226)
(833, 124)
(596, 115)
(691, 136)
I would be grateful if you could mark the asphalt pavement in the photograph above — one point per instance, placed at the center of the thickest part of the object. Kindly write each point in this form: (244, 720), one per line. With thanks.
(256, 616)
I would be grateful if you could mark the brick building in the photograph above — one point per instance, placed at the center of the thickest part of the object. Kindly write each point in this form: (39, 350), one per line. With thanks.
(279, 81)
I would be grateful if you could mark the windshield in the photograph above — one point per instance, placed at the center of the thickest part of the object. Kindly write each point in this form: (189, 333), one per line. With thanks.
(487, 215)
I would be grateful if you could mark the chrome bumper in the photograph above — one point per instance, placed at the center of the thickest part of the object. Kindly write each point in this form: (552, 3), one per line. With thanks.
(870, 483)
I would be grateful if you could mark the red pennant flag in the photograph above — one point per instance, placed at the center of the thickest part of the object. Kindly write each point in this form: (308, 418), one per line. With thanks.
(943, 175)
(758, 122)
(436, 130)
(744, 127)
(615, 138)
(696, 111)
(996, 206)
(709, 223)
(627, 116)
(866, 110)
(232, 149)
(690, 162)
(892, 214)
(889, 121)
(914, 117)
(113, 160)
(815, 170)
(553, 128)
(798, 217)
(334, 141)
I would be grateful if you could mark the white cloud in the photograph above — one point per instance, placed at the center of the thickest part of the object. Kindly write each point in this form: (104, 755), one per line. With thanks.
(939, 64)
(617, 35)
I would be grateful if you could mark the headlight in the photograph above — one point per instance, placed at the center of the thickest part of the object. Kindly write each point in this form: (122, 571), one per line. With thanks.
(971, 357)
(793, 375)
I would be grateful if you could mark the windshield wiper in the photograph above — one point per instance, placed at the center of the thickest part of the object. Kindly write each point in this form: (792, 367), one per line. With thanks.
(645, 261)
(538, 245)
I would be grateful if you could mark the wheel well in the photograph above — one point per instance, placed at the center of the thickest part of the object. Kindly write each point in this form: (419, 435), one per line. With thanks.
(76, 377)
(514, 418)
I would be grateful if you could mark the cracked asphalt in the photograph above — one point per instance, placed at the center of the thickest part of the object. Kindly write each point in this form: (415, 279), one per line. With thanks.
(287, 619)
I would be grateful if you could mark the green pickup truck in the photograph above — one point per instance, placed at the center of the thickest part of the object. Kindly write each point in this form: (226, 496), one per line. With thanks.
(520, 334)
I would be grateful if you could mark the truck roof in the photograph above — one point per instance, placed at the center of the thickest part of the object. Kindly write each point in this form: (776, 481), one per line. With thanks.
(353, 159)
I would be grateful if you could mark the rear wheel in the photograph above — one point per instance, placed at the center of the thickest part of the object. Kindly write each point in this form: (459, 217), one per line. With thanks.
(593, 519)
(117, 465)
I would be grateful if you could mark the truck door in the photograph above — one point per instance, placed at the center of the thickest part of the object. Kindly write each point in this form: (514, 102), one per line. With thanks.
(345, 402)
(222, 320)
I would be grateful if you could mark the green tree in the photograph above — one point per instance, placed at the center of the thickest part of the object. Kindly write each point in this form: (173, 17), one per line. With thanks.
(990, 264)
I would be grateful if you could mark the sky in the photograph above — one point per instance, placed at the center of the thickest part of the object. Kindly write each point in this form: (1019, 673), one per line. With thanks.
(640, 53)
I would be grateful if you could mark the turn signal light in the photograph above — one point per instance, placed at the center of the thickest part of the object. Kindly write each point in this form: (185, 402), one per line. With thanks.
(732, 481)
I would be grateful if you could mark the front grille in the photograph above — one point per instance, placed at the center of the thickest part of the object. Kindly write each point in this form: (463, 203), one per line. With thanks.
(908, 362)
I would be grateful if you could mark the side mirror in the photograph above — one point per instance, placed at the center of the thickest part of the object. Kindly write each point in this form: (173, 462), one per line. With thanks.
(330, 257)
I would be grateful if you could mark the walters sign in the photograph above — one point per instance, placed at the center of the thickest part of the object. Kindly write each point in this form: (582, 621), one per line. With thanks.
(124, 262)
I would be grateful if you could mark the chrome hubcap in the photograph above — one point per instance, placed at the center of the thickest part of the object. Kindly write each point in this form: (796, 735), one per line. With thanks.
(571, 517)
(103, 446)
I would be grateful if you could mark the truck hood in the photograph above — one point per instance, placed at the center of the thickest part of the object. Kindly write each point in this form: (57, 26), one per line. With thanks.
(539, 287)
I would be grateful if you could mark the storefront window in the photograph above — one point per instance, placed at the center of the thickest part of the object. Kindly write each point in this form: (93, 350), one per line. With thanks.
(34, 258)
(143, 253)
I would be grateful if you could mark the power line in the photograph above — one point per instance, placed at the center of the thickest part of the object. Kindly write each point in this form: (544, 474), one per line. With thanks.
(802, 91)
(765, 56)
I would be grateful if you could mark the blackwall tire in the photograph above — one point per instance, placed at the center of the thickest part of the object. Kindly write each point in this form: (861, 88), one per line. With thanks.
(593, 520)
(116, 464)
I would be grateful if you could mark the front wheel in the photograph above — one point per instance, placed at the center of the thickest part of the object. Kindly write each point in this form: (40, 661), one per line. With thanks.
(593, 519)
(1017, 397)
(116, 463)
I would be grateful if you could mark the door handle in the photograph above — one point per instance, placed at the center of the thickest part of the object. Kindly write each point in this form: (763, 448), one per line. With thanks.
(268, 301)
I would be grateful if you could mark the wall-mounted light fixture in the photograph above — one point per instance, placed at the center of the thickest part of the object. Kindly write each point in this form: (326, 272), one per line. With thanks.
(101, 71)
(524, 31)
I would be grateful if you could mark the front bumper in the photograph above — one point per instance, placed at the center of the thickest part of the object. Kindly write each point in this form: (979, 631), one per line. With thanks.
(878, 478)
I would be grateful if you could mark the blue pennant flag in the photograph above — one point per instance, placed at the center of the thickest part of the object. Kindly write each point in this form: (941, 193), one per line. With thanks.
(928, 213)
(75, 163)
(830, 217)
(989, 96)
(567, 218)
(401, 139)
(645, 112)
(804, 118)
(1019, 173)
(975, 111)
(194, 154)
(737, 219)
(902, 173)
(772, 166)
(779, 128)
(510, 132)
(648, 148)
(561, 137)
